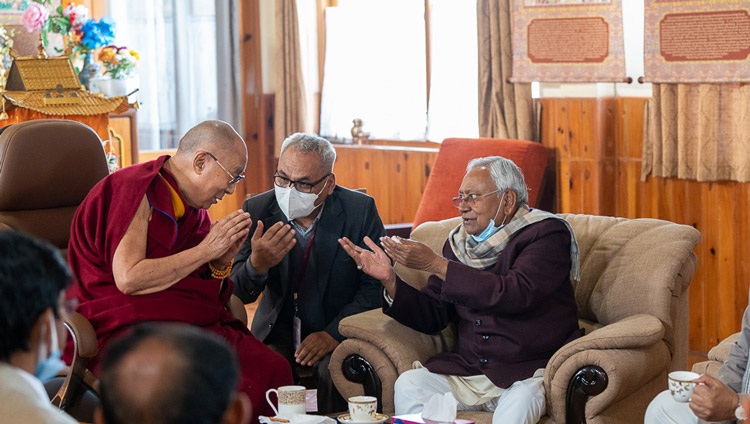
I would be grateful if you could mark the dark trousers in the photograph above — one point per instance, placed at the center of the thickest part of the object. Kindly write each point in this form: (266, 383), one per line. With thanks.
(329, 399)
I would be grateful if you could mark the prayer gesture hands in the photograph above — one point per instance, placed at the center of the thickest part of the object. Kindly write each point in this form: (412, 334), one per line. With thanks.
(269, 248)
(226, 237)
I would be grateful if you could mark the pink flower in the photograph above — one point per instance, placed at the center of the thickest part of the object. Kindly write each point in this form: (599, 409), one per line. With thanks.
(34, 17)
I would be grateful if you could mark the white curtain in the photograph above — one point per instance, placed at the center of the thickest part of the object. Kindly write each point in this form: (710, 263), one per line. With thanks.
(177, 69)
(228, 63)
(308, 40)
(375, 69)
(453, 103)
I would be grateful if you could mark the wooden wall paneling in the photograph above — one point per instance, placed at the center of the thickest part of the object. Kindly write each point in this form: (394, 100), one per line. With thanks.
(608, 157)
(622, 160)
(412, 169)
(584, 152)
(395, 182)
(418, 167)
(394, 177)
(253, 102)
(600, 152)
(267, 160)
(709, 288)
(690, 200)
(650, 195)
(372, 175)
(573, 128)
(559, 141)
(573, 140)
(725, 255)
(120, 136)
(742, 253)
(346, 170)
(625, 194)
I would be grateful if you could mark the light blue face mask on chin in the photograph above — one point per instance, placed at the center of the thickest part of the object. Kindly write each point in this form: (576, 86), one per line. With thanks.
(49, 366)
(491, 229)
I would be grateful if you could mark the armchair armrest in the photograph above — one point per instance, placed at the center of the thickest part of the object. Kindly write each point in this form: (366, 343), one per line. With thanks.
(716, 357)
(376, 350)
(594, 372)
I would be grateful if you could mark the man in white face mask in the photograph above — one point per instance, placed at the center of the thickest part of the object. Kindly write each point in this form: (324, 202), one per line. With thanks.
(33, 278)
(292, 256)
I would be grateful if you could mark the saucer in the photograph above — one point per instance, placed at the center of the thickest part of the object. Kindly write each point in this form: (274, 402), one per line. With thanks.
(346, 419)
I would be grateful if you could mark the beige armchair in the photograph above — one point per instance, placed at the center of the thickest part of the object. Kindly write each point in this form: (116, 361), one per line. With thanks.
(632, 300)
(716, 357)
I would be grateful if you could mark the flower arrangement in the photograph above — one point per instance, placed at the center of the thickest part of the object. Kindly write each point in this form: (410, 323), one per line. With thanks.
(82, 34)
(118, 61)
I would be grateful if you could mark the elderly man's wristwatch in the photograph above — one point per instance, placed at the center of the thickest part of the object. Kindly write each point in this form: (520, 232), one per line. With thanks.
(739, 413)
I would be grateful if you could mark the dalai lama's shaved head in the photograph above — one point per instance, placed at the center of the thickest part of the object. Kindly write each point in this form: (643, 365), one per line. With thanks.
(213, 136)
(210, 161)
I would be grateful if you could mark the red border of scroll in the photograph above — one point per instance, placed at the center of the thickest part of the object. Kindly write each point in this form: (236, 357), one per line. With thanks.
(697, 41)
(568, 41)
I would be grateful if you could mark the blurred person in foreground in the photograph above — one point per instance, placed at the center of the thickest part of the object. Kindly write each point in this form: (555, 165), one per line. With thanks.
(171, 374)
(504, 278)
(33, 279)
(293, 257)
(143, 248)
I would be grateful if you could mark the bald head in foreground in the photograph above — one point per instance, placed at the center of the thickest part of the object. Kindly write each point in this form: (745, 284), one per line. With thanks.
(171, 374)
(143, 248)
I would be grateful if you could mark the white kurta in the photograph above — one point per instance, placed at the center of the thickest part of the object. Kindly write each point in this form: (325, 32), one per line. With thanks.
(23, 400)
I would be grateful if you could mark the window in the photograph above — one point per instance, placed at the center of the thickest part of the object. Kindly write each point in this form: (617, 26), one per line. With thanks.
(376, 69)
(178, 67)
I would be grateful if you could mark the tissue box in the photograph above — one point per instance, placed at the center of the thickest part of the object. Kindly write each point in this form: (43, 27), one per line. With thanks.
(417, 419)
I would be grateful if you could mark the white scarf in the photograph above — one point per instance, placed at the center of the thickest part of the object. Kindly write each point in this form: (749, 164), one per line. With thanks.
(485, 254)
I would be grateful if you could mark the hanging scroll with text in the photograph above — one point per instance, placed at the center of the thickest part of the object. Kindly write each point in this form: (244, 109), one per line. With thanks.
(567, 41)
(697, 41)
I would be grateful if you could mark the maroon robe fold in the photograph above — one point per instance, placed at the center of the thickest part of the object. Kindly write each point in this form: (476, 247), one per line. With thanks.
(98, 226)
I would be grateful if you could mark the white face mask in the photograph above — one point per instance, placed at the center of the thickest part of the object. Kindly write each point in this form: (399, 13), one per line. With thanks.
(295, 204)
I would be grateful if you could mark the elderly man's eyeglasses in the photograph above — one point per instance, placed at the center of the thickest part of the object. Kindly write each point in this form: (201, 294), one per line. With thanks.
(232, 178)
(470, 199)
(301, 186)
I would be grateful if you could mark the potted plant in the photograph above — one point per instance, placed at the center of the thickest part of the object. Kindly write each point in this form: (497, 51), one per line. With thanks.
(118, 63)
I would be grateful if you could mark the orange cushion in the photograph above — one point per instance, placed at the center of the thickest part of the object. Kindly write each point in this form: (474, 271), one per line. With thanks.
(450, 166)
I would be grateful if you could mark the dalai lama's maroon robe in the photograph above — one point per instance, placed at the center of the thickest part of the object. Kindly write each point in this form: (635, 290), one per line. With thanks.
(98, 226)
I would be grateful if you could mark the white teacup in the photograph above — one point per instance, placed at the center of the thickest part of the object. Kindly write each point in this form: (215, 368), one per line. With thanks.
(681, 385)
(363, 408)
(291, 400)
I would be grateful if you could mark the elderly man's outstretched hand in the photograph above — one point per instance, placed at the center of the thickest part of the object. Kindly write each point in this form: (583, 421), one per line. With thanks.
(374, 262)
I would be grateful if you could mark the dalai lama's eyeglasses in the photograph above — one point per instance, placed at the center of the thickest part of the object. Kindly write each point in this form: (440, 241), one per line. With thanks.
(232, 178)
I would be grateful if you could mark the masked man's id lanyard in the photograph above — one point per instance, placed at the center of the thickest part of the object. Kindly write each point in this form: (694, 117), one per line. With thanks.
(297, 323)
